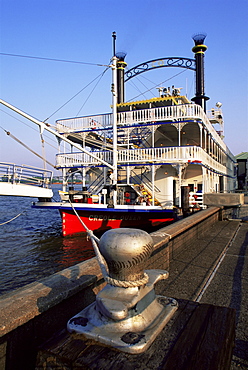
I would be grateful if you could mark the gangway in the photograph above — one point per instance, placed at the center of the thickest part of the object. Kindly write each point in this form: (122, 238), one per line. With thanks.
(25, 181)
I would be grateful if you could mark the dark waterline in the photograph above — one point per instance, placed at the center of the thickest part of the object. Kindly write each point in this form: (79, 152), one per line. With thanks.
(31, 246)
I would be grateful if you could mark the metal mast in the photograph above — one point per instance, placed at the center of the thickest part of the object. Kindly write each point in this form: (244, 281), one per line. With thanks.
(114, 114)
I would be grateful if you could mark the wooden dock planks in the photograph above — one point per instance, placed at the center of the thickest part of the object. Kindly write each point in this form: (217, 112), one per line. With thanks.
(197, 337)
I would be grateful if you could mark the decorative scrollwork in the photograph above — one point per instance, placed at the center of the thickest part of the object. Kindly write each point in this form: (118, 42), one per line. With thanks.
(158, 63)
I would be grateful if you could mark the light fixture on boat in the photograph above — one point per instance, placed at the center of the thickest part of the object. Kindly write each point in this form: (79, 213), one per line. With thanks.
(199, 38)
(121, 55)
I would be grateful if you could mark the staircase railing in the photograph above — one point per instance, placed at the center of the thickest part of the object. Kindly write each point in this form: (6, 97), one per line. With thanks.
(143, 179)
(96, 185)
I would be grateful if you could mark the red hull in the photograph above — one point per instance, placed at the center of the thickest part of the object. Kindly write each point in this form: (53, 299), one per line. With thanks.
(99, 222)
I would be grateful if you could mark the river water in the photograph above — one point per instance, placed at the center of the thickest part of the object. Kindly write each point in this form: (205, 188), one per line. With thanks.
(31, 246)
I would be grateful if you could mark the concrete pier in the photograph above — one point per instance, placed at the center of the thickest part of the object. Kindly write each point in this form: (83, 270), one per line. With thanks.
(206, 255)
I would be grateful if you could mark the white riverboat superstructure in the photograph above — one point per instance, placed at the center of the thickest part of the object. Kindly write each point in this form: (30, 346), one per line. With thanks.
(167, 139)
(145, 161)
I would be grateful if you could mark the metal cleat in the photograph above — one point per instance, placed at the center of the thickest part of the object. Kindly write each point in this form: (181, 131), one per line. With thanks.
(127, 314)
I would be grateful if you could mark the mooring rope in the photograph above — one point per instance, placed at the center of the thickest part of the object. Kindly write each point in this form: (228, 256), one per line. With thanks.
(127, 284)
(103, 264)
(94, 241)
(12, 219)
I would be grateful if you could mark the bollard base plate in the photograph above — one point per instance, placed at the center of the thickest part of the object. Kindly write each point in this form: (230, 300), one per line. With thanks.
(133, 334)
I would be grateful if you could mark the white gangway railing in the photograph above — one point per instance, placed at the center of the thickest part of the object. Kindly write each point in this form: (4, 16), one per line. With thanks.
(23, 174)
(22, 180)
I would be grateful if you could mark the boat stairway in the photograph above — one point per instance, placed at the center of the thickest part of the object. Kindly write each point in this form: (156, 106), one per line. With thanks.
(138, 136)
(145, 193)
(96, 186)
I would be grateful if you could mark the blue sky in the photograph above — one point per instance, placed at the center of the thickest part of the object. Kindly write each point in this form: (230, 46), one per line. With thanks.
(80, 30)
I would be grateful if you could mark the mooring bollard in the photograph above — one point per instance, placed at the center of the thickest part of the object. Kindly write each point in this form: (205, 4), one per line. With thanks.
(127, 314)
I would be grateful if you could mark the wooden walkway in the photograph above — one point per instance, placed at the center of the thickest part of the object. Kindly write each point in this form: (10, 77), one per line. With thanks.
(199, 336)
(197, 274)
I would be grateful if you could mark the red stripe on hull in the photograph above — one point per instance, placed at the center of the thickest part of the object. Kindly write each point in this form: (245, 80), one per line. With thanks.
(99, 222)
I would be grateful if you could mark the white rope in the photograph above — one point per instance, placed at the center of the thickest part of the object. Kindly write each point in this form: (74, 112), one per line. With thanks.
(12, 219)
(161, 234)
(128, 284)
(94, 241)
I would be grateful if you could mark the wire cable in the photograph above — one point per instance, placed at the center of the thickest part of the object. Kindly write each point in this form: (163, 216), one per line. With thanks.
(101, 76)
(33, 128)
(25, 146)
(53, 59)
(136, 87)
(74, 95)
(148, 90)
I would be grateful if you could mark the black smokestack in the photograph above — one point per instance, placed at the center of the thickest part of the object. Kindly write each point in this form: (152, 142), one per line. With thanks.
(199, 50)
(121, 64)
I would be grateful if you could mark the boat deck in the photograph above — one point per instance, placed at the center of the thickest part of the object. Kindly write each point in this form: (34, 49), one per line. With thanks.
(24, 181)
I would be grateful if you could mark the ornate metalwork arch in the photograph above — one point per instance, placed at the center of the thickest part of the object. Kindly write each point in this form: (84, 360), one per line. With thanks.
(159, 63)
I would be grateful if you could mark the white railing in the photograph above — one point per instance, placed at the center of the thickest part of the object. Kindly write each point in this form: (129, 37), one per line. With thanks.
(22, 174)
(176, 112)
(173, 155)
(195, 200)
(84, 123)
(159, 114)
(82, 159)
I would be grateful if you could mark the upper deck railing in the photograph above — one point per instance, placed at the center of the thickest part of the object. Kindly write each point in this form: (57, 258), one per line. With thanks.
(169, 113)
(84, 123)
(22, 174)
